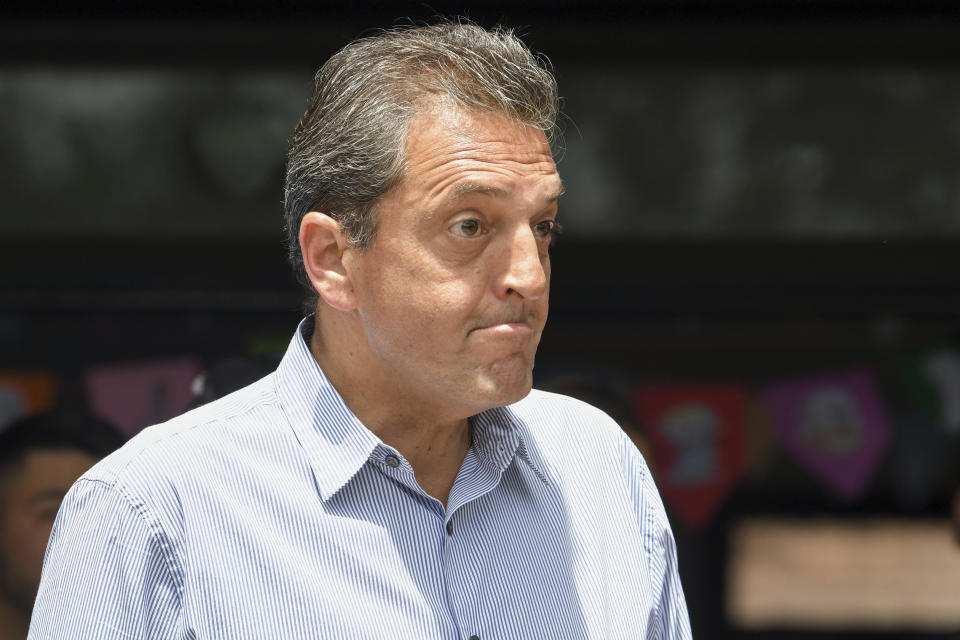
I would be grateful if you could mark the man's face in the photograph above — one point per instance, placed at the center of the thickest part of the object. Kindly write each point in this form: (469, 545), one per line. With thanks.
(32, 492)
(452, 294)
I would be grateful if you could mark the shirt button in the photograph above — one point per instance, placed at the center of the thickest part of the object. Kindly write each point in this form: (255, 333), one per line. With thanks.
(392, 461)
(474, 637)
(450, 531)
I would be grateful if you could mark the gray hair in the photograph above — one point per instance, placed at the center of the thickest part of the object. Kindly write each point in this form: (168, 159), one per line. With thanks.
(350, 146)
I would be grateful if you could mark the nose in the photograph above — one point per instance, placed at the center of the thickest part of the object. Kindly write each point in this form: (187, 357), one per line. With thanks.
(526, 270)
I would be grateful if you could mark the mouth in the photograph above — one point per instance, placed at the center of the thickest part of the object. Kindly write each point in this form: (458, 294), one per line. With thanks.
(506, 328)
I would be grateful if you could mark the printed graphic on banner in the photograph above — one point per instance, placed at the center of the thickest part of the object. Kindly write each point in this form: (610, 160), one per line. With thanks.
(23, 393)
(834, 425)
(932, 380)
(697, 434)
(133, 396)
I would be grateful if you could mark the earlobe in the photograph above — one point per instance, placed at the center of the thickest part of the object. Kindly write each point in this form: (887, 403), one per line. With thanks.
(322, 244)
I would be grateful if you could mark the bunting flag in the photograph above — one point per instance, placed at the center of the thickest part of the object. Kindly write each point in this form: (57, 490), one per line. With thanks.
(932, 382)
(133, 396)
(24, 393)
(834, 425)
(697, 434)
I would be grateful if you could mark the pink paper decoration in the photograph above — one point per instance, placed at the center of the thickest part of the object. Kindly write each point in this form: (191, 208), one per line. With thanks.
(133, 396)
(834, 425)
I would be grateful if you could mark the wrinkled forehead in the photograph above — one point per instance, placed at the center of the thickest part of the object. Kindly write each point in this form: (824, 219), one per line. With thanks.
(455, 140)
(441, 117)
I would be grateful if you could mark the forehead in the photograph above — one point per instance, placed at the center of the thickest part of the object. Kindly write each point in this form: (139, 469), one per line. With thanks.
(450, 149)
(40, 469)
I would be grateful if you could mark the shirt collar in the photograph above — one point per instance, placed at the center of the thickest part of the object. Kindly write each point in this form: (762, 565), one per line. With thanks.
(499, 435)
(338, 444)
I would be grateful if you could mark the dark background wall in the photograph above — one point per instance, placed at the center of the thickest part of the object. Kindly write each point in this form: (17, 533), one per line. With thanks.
(755, 190)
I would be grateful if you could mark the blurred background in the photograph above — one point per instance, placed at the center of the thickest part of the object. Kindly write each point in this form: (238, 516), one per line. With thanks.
(759, 275)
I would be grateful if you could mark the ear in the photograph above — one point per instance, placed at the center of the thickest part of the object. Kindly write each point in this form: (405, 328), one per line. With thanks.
(322, 244)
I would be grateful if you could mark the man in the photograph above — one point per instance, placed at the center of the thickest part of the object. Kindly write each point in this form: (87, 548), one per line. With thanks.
(40, 457)
(395, 477)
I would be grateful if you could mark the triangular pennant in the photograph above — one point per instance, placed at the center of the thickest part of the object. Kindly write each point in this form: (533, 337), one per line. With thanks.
(135, 395)
(697, 434)
(834, 425)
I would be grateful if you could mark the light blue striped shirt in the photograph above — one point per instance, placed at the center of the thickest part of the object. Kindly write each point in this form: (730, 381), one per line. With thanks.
(274, 513)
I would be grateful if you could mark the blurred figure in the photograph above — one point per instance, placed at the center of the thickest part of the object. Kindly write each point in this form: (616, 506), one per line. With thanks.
(40, 458)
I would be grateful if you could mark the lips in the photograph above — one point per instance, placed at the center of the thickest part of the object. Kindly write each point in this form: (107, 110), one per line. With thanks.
(507, 328)
(510, 330)
(509, 318)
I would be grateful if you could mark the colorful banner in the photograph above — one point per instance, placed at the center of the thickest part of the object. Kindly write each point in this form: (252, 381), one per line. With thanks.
(697, 434)
(23, 393)
(133, 396)
(834, 425)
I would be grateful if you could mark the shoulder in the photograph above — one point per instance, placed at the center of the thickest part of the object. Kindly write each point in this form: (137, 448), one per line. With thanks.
(557, 417)
(173, 447)
(564, 429)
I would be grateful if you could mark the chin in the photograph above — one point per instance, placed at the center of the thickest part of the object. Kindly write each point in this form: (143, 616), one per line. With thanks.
(506, 385)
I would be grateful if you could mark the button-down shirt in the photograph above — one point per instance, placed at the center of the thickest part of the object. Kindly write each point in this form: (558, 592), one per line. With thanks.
(275, 513)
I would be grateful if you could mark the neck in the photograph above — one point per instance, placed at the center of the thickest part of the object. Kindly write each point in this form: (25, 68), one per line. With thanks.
(13, 625)
(433, 442)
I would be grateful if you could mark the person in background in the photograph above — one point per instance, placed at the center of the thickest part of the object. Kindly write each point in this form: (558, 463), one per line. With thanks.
(40, 457)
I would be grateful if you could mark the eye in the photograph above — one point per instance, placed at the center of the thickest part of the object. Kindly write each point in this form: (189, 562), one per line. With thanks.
(546, 228)
(466, 228)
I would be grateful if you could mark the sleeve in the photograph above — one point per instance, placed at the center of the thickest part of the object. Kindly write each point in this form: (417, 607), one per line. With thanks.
(669, 619)
(108, 571)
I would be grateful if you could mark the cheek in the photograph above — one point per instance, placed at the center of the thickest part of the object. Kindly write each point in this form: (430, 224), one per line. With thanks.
(24, 543)
(37, 547)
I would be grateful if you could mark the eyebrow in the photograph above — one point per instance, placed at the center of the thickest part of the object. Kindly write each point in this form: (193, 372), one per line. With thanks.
(556, 194)
(469, 188)
(465, 189)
